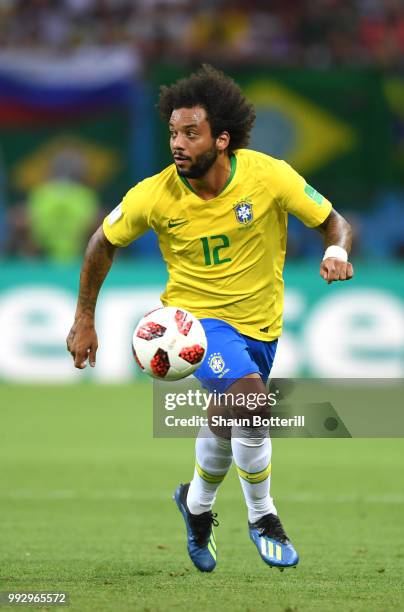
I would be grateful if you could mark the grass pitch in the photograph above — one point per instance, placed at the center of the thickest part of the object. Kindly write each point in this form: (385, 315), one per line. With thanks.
(85, 497)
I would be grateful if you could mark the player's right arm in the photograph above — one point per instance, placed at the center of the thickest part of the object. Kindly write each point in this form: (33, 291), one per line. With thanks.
(82, 340)
(125, 223)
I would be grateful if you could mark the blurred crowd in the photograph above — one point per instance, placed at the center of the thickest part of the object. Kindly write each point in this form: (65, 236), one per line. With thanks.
(281, 33)
(314, 33)
(58, 215)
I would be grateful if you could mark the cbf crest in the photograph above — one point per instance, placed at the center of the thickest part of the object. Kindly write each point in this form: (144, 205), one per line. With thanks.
(216, 363)
(244, 212)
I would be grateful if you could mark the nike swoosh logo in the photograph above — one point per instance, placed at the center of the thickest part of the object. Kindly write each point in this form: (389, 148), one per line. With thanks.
(170, 224)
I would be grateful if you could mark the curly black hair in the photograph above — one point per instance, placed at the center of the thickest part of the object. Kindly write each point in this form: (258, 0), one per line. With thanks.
(226, 107)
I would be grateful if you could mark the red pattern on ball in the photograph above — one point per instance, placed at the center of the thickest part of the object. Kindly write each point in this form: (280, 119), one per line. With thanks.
(192, 354)
(182, 324)
(160, 363)
(150, 330)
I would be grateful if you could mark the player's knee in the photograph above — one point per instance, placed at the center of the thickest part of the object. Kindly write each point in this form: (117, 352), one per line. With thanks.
(217, 419)
(249, 400)
(256, 437)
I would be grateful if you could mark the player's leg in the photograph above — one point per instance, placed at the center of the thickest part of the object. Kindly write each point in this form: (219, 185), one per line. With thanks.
(252, 447)
(195, 500)
(213, 458)
(213, 447)
(252, 452)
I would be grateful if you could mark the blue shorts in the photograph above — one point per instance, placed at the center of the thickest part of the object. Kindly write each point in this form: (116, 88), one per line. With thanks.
(231, 355)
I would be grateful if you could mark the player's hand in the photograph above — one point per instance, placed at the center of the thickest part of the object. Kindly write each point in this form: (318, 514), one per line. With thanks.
(82, 342)
(333, 269)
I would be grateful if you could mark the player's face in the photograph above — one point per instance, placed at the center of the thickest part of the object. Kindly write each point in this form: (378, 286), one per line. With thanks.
(192, 145)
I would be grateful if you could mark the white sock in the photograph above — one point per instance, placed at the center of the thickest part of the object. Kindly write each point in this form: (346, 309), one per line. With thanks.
(213, 460)
(252, 451)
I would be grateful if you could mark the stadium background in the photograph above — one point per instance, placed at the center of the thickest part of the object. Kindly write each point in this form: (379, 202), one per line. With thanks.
(79, 81)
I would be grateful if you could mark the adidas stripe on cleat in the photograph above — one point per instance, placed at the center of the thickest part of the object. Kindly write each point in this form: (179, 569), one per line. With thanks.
(272, 542)
(201, 538)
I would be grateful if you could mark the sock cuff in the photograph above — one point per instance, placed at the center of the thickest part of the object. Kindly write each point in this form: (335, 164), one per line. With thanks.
(209, 477)
(251, 436)
(255, 477)
(206, 433)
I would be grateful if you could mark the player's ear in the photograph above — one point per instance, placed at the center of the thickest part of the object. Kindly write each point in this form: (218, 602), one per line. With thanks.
(223, 141)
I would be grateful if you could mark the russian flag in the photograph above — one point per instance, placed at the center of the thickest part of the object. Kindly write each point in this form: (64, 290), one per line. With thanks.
(38, 88)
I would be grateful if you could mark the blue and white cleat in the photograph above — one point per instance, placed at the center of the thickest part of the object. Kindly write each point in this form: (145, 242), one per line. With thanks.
(272, 542)
(201, 539)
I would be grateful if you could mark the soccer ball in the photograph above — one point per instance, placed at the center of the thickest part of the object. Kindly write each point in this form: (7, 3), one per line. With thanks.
(169, 343)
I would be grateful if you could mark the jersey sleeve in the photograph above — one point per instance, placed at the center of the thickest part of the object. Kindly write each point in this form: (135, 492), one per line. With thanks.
(300, 199)
(129, 219)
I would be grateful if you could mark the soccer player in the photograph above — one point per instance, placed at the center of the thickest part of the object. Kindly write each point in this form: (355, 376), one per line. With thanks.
(220, 213)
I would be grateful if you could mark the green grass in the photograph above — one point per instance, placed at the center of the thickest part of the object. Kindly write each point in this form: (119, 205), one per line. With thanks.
(85, 507)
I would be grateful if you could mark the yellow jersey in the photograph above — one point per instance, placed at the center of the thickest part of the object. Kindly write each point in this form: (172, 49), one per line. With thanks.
(224, 256)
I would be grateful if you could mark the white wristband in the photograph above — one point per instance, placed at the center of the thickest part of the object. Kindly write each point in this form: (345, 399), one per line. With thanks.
(337, 252)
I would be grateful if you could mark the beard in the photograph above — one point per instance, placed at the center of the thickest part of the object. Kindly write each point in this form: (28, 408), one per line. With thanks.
(203, 162)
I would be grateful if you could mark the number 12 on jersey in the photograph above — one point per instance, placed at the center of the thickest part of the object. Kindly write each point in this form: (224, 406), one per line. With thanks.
(212, 245)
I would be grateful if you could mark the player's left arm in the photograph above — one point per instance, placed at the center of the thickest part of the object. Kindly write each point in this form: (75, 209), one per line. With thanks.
(314, 210)
(337, 234)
